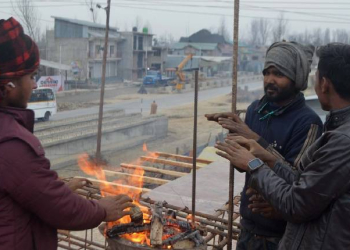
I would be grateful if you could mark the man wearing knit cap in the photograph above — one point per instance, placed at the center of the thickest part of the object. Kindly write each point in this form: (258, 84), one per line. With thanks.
(34, 203)
(283, 124)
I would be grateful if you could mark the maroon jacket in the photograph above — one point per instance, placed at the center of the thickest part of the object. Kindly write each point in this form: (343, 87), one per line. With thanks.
(33, 201)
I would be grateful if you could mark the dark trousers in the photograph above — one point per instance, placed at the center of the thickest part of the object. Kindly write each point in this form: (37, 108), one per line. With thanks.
(250, 241)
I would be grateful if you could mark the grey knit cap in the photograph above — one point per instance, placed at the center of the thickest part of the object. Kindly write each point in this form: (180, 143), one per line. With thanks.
(291, 59)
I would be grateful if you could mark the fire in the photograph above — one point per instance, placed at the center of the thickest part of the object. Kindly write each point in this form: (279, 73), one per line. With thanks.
(144, 147)
(131, 186)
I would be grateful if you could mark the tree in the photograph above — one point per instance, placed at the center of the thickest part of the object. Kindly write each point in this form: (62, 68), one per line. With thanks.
(317, 35)
(138, 23)
(264, 30)
(93, 12)
(27, 13)
(165, 40)
(254, 32)
(327, 36)
(149, 27)
(341, 36)
(280, 29)
(223, 31)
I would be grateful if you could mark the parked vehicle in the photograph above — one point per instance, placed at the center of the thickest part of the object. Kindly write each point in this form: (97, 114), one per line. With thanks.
(155, 78)
(43, 103)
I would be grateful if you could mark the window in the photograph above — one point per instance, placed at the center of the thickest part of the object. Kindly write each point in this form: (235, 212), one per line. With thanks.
(42, 95)
(158, 52)
(135, 42)
(97, 50)
(111, 51)
(140, 47)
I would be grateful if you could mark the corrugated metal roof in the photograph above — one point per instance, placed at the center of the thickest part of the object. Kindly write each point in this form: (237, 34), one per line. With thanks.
(199, 46)
(83, 23)
(174, 60)
(103, 34)
(55, 65)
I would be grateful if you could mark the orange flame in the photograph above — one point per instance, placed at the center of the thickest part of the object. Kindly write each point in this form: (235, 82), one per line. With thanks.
(144, 147)
(131, 186)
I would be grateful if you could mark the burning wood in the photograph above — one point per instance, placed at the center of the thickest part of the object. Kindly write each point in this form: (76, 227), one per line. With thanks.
(128, 228)
(157, 225)
(137, 215)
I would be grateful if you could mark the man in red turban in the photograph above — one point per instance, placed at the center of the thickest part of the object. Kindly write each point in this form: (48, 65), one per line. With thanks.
(34, 203)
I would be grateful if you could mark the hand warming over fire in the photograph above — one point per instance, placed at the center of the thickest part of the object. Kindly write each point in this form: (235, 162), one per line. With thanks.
(77, 183)
(236, 154)
(115, 206)
(234, 124)
(255, 148)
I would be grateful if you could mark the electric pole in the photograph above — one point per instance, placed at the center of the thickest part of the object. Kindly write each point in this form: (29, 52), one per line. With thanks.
(103, 80)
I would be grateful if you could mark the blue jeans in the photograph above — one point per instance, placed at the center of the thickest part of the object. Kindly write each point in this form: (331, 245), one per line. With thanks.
(249, 241)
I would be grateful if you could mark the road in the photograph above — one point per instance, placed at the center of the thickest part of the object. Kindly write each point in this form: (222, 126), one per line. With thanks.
(164, 102)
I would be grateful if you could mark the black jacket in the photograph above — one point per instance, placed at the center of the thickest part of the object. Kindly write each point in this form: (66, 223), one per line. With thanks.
(315, 199)
(288, 131)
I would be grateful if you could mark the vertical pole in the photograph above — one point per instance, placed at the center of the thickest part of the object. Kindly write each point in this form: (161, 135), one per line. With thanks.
(103, 80)
(194, 157)
(234, 110)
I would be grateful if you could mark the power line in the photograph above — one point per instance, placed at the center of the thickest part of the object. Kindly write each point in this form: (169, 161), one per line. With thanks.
(251, 7)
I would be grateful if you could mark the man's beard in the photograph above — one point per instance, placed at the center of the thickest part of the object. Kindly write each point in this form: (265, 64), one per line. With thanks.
(281, 94)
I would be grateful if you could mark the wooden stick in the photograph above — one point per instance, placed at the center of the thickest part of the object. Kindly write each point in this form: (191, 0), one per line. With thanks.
(168, 162)
(181, 158)
(156, 235)
(155, 170)
(98, 183)
(145, 179)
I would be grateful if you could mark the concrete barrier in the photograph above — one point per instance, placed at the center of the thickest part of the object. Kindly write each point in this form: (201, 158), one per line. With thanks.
(153, 127)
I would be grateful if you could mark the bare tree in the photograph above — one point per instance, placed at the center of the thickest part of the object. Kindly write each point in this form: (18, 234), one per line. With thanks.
(91, 4)
(138, 23)
(223, 31)
(327, 36)
(280, 29)
(341, 36)
(254, 32)
(27, 13)
(264, 30)
(149, 27)
(166, 39)
(317, 35)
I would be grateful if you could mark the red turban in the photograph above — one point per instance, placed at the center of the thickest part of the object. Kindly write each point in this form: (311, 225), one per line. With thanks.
(19, 54)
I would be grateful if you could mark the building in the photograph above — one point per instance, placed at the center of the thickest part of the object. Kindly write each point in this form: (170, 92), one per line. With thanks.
(81, 45)
(139, 55)
(212, 54)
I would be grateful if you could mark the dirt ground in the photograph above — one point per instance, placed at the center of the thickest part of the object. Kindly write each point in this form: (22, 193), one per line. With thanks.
(180, 133)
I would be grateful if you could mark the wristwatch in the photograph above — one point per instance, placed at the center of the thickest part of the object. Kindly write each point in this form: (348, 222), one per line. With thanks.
(255, 164)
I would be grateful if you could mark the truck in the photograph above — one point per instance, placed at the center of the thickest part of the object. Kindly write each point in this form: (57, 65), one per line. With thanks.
(155, 78)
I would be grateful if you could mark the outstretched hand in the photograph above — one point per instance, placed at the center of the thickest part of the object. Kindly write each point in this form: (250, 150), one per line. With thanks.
(234, 124)
(115, 206)
(215, 117)
(239, 156)
(255, 148)
(77, 183)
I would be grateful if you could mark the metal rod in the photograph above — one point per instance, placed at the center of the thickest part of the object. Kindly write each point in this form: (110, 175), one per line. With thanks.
(103, 80)
(194, 155)
(80, 239)
(188, 211)
(234, 110)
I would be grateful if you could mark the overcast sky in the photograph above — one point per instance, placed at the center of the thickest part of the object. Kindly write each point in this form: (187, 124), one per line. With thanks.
(184, 17)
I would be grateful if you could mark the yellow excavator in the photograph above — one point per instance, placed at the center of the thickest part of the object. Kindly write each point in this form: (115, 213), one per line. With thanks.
(181, 77)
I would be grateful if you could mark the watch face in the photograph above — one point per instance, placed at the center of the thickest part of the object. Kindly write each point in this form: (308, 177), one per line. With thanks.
(255, 164)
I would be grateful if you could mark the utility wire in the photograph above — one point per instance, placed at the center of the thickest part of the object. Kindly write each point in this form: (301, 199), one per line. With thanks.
(250, 7)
